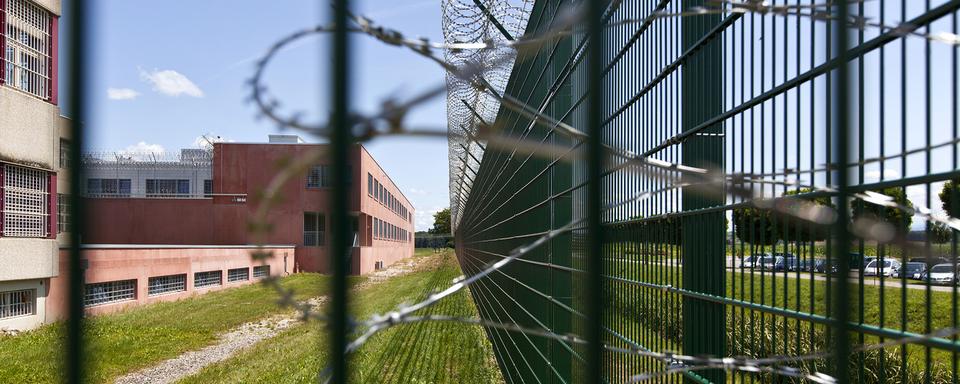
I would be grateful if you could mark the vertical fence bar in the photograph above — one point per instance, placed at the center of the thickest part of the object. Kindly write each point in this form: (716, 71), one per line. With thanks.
(841, 249)
(595, 157)
(78, 81)
(341, 141)
(702, 235)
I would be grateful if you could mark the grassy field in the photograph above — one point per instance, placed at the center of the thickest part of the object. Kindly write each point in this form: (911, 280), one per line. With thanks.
(139, 337)
(413, 353)
(656, 318)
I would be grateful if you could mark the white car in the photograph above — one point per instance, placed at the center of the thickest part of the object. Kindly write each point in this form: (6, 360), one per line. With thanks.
(890, 268)
(942, 274)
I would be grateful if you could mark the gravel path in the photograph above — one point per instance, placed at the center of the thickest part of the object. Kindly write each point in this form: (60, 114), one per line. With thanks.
(247, 335)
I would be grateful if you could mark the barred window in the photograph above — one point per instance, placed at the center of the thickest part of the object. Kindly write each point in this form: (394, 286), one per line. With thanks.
(315, 177)
(260, 271)
(208, 188)
(160, 285)
(25, 201)
(108, 187)
(110, 292)
(167, 187)
(207, 279)
(314, 229)
(64, 153)
(63, 213)
(238, 274)
(27, 60)
(18, 303)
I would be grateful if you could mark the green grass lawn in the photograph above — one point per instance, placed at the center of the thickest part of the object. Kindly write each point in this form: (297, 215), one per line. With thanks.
(412, 353)
(658, 316)
(124, 342)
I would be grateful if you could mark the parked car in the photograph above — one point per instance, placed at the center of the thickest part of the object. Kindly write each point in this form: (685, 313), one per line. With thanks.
(931, 261)
(913, 270)
(889, 268)
(942, 274)
(778, 262)
(749, 262)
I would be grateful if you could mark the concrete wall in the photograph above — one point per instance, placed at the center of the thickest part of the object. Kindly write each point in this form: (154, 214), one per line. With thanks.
(27, 258)
(113, 263)
(28, 130)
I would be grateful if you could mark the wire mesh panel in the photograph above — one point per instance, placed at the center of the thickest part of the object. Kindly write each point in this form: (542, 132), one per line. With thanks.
(207, 279)
(25, 201)
(160, 285)
(26, 60)
(110, 292)
(238, 274)
(747, 146)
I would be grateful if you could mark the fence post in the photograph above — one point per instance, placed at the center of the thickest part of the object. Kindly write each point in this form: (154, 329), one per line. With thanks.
(702, 235)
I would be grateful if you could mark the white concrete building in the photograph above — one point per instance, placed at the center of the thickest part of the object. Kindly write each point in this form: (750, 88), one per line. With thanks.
(30, 157)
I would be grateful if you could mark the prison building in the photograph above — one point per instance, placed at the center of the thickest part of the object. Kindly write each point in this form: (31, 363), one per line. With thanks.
(29, 158)
(209, 199)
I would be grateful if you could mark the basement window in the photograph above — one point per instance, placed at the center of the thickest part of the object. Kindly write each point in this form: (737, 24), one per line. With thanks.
(207, 279)
(110, 292)
(25, 201)
(160, 285)
(261, 271)
(238, 274)
(18, 303)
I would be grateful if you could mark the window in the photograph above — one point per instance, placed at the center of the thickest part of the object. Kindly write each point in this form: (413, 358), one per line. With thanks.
(166, 187)
(18, 303)
(260, 271)
(208, 188)
(376, 228)
(25, 201)
(110, 292)
(207, 279)
(166, 284)
(63, 213)
(315, 177)
(238, 274)
(376, 189)
(28, 45)
(64, 153)
(108, 187)
(369, 185)
(314, 226)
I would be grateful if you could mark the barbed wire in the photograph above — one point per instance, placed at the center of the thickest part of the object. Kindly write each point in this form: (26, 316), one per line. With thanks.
(469, 128)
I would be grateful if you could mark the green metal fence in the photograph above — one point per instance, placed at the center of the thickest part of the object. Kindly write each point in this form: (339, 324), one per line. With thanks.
(733, 170)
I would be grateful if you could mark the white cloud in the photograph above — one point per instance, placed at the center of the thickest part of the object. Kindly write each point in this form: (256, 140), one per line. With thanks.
(122, 94)
(142, 151)
(171, 83)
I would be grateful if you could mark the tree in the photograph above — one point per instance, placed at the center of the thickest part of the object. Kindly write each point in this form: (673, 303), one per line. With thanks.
(939, 233)
(754, 226)
(441, 222)
(791, 228)
(947, 194)
(900, 219)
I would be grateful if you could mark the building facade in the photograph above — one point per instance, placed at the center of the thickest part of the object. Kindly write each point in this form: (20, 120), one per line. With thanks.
(173, 201)
(29, 159)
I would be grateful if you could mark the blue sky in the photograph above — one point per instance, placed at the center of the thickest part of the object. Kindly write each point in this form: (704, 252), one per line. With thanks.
(165, 73)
